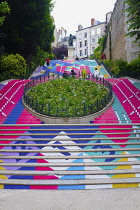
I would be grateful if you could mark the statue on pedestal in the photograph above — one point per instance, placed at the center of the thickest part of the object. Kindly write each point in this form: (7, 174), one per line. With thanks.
(70, 40)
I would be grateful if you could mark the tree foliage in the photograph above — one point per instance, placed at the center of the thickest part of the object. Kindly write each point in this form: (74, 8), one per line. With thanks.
(101, 46)
(58, 51)
(133, 14)
(4, 8)
(28, 26)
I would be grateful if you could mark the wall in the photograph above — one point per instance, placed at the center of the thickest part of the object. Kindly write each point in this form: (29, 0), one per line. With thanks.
(116, 37)
(118, 45)
(132, 49)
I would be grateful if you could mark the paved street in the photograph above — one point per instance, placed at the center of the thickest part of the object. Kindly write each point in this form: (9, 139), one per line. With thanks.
(101, 199)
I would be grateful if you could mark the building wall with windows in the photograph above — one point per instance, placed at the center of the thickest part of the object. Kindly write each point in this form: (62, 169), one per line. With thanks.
(87, 38)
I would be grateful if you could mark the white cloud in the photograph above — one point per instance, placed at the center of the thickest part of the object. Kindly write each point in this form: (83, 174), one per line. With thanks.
(70, 13)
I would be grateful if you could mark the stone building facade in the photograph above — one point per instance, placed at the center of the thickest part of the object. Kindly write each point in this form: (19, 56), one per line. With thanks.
(120, 46)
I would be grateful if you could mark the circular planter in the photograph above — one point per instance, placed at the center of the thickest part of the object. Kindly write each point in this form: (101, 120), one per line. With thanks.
(69, 120)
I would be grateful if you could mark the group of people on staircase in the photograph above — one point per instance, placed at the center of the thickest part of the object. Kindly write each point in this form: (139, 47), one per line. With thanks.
(73, 74)
(66, 75)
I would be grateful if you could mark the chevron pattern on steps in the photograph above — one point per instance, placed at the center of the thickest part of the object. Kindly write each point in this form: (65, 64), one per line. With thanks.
(69, 156)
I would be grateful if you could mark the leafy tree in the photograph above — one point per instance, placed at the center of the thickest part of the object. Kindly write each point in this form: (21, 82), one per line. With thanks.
(98, 51)
(28, 27)
(4, 8)
(133, 14)
(58, 51)
(40, 57)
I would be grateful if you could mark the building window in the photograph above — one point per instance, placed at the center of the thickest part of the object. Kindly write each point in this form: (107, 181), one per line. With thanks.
(85, 35)
(92, 32)
(93, 40)
(80, 44)
(85, 51)
(85, 42)
(80, 36)
(98, 30)
(93, 48)
(80, 52)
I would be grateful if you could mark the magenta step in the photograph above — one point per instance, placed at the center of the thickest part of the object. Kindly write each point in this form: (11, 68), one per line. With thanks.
(28, 122)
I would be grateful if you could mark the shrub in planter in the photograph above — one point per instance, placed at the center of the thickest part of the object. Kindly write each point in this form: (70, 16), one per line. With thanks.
(121, 67)
(110, 63)
(134, 67)
(66, 96)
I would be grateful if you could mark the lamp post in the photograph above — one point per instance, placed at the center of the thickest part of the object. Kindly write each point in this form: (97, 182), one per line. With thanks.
(87, 52)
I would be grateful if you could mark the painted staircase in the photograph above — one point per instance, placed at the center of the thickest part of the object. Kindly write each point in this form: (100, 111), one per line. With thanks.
(87, 156)
(102, 154)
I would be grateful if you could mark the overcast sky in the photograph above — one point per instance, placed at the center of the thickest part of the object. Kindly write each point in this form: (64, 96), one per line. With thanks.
(70, 13)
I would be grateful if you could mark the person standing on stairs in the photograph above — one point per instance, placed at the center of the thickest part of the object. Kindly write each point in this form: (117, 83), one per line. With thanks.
(47, 61)
(84, 73)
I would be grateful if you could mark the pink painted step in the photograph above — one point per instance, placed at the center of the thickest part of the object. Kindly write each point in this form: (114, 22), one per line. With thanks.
(27, 118)
(58, 68)
(117, 135)
(11, 132)
(28, 122)
(125, 90)
(132, 87)
(7, 86)
(13, 91)
(109, 114)
(112, 81)
(40, 187)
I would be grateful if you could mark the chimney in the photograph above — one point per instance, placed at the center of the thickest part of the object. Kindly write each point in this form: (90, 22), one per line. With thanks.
(92, 21)
(79, 27)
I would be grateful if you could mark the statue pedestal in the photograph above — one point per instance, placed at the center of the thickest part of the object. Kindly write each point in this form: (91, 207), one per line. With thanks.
(70, 52)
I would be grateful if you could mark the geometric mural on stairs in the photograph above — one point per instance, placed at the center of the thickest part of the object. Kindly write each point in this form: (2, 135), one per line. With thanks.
(123, 109)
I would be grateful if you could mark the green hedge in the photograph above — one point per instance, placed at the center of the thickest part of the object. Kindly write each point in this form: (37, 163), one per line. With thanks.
(12, 66)
(121, 68)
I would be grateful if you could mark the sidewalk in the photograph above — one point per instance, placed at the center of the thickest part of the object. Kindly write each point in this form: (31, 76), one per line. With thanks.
(103, 199)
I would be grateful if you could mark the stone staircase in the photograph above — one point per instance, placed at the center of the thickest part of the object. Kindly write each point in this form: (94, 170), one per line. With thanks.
(86, 156)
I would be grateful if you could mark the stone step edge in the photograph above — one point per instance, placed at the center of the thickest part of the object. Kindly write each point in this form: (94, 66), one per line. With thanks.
(72, 144)
(70, 172)
(61, 164)
(86, 124)
(64, 129)
(71, 157)
(69, 182)
(66, 138)
(53, 150)
(64, 134)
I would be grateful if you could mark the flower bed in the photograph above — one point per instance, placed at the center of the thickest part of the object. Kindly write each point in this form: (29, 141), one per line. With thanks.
(67, 97)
